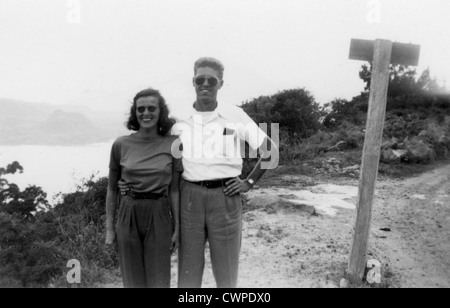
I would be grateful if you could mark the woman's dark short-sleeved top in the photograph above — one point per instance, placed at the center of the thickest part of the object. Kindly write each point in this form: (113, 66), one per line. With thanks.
(146, 165)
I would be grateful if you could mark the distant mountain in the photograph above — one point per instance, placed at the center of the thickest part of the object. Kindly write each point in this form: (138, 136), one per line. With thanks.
(34, 111)
(46, 124)
(67, 122)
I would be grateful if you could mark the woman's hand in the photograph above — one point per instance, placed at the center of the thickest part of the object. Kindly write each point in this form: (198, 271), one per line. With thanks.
(110, 237)
(235, 186)
(175, 238)
(124, 187)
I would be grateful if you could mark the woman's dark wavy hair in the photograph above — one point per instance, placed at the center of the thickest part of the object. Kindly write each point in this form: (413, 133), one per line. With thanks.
(164, 123)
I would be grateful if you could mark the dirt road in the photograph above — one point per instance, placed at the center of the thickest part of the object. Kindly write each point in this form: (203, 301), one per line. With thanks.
(418, 212)
(284, 245)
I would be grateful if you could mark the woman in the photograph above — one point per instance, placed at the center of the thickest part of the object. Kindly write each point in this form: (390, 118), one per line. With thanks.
(147, 230)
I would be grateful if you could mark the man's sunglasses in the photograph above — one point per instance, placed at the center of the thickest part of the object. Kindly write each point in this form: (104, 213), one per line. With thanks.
(212, 81)
(141, 109)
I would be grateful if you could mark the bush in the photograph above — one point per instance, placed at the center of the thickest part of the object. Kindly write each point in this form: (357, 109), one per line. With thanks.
(340, 110)
(296, 112)
(403, 125)
(26, 255)
(35, 248)
(81, 218)
(320, 142)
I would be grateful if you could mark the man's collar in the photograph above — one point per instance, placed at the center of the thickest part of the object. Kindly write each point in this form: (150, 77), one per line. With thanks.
(221, 111)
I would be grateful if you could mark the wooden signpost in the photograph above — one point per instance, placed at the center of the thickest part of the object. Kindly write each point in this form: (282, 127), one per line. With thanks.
(381, 53)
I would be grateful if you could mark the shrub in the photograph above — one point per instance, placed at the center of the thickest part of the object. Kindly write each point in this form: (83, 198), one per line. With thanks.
(320, 142)
(25, 256)
(35, 248)
(296, 112)
(81, 218)
(341, 110)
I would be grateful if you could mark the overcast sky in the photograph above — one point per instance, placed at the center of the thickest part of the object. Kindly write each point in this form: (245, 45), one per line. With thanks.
(99, 53)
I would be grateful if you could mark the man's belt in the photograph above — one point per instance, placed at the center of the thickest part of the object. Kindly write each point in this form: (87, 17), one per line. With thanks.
(136, 195)
(212, 184)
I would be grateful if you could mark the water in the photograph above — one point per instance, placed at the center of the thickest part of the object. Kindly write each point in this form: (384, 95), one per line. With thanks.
(56, 168)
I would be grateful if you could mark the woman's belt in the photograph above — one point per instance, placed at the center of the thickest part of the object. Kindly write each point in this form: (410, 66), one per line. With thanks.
(149, 195)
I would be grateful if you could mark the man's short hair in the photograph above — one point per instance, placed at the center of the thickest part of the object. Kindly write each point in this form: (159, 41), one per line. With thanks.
(209, 62)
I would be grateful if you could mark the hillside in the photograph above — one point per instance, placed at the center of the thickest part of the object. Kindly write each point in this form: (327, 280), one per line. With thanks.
(46, 124)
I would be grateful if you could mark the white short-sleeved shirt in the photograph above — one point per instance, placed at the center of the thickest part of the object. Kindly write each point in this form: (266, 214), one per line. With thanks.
(213, 142)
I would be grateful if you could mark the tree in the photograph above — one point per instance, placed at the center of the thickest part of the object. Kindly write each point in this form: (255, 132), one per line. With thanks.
(406, 90)
(4, 184)
(15, 201)
(296, 112)
(407, 94)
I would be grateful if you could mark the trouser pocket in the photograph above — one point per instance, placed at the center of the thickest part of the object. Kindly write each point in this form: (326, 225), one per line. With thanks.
(233, 206)
(167, 210)
(120, 214)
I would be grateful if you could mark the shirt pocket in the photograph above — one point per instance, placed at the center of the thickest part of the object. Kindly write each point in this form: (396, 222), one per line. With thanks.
(229, 146)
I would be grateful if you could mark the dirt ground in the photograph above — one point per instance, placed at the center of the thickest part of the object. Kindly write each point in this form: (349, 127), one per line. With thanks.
(286, 246)
(417, 210)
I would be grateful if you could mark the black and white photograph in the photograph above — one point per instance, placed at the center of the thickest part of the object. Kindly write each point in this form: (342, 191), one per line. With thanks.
(224, 144)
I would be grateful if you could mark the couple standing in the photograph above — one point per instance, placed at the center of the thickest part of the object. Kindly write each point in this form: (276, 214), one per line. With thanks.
(166, 202)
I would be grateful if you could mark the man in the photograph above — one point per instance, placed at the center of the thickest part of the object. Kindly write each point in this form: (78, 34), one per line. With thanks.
(211, 210)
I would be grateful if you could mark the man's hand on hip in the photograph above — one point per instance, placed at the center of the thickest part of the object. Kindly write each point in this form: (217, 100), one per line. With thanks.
(124, 187)
(235, 186)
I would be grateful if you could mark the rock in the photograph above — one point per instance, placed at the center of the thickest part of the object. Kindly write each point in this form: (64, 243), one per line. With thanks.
(341, 145)
(400, 153)
(351, 168)
(390, 155)
(419, 151)
(387, 156)
(423, 133)
(391, 144)
(290, 178)
(333, 161)
(444, 140)
(343, 284)
(330, 285)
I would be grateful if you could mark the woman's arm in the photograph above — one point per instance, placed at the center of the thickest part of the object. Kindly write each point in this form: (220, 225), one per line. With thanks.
(174, 194)
(111, 205)
(112, 197)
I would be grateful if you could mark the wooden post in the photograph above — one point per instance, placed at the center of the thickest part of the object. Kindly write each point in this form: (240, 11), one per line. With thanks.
(383, 53)
(371, 157)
